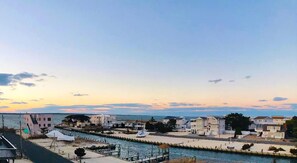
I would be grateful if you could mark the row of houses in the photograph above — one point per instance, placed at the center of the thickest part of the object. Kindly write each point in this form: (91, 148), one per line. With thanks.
(269, 127)
(264, 126)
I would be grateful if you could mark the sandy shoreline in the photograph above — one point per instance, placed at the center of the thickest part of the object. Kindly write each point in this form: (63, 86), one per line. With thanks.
(258, 147)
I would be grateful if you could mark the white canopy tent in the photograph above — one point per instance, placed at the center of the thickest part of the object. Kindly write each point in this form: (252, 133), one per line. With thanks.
(59, 136)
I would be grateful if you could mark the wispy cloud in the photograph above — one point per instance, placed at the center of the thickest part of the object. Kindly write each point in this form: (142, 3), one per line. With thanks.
(231, 81)
(36, 100)
(27, 84)
(247, 77)
(3, 99)
(4, 107)
(18, 103)
(79, 94)
(14, 79)
(280, 98)
(183, 104)
(262, 100)
(215, 81)
(1, 93)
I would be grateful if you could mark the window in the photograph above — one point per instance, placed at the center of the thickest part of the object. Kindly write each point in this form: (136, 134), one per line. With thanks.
(49, 119)
(43, 125)
(49, 125)
(39, 119)
(43, 119)
(39, 125)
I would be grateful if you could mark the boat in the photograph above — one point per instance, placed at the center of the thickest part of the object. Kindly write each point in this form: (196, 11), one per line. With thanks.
(141, 134)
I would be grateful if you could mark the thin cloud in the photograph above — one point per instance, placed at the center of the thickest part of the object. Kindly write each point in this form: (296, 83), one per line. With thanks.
(1, 93)
(280, 98)
(39, 80)
(4, 107)
(183, 104)
(263, 100)
(231, 81)
(79, 94)
(4, 99)
(247, 77)
(215, 81)
(18, 103)
(36, 100)
(28, 84)
(14, 79)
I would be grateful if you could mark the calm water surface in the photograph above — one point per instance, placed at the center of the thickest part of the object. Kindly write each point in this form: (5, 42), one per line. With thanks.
(144, 150)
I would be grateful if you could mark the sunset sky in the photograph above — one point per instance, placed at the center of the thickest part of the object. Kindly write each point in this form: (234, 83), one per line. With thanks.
(149, 57)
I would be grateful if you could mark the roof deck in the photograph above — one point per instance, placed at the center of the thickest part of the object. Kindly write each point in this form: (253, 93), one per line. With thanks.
(7, 150)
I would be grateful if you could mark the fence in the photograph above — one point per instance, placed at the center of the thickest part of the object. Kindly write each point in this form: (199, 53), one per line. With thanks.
(34, 152)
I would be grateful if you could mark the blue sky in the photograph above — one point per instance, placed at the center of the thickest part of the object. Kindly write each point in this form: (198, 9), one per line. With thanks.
(150, 53)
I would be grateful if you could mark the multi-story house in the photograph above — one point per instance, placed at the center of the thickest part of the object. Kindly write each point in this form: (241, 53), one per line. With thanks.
(280, 119)
(181, 122)
(212, 125)
(273, 131)
(269, 127)
(260, 121)
(135, 124)
(38, 123)
(105, 121)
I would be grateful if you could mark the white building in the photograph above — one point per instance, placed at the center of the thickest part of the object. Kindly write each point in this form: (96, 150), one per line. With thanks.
(135, 124)
(38, 123)
(181, 122)
(212, 125)
(82, 124)
(273, 131)
(269, 127)
(280, 119)
(106, 121)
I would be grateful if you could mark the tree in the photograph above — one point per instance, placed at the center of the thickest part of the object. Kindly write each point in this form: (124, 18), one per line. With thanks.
(152, 120)
(71, 119)
(237, 121)
(149, 126)
(171, 123)
(80, 152)
(291, 126)
(237, 132)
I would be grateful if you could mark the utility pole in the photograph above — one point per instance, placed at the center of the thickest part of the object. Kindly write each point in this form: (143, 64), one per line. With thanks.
(21, 138)
(152, 153)
(2, 123)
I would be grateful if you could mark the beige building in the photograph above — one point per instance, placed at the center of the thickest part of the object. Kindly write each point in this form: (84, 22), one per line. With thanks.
(38, 123)
(273, 131)
(212, 125)
(104, 120)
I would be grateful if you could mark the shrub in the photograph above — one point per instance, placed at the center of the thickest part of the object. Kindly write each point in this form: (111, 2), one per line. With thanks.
(293, 151)
(272, 148)
(245, 147)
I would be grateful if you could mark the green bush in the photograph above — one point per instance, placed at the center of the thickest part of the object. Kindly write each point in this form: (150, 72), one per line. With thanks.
(272, 148)
(247, 146)
(293, 151)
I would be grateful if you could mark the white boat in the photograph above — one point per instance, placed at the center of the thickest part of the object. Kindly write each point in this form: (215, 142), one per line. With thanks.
(141, 134)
